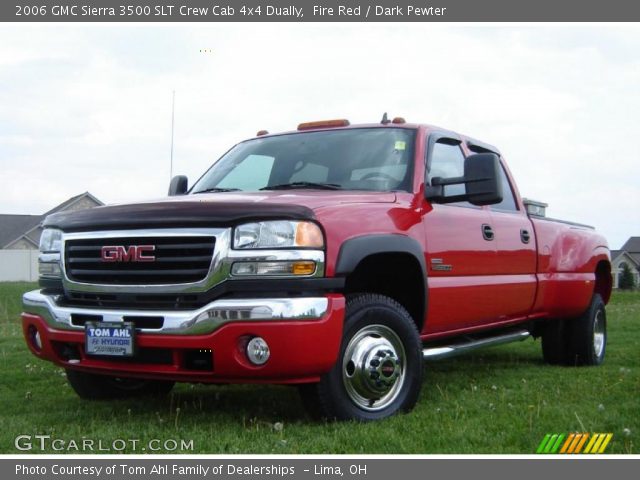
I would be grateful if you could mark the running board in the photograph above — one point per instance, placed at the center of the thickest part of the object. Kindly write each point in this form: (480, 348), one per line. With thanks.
(446, 351)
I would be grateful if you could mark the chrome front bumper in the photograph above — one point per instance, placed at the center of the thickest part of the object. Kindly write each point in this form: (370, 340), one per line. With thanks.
(184, 322)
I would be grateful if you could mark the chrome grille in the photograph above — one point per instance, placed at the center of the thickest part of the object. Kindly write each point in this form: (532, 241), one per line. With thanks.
(179, 259)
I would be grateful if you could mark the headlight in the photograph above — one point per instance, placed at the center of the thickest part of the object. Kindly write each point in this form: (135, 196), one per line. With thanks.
(278, 234)
(50, 240)
(49, 259)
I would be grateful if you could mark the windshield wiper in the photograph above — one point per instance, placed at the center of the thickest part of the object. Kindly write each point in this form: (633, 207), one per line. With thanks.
(294, 185)
(218, 189)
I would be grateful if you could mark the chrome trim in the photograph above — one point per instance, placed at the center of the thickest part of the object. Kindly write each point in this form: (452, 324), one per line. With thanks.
(212, 278)
(192, 322)
(219, 270)
(436, 353)
(368, 385)
(599, 333)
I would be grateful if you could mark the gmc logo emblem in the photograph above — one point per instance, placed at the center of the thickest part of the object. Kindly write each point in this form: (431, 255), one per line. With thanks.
(132, 253)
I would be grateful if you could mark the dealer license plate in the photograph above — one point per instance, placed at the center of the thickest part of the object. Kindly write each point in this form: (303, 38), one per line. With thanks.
(110, 339)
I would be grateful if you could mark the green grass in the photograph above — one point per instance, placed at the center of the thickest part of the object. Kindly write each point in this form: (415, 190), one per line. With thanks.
(500, 400)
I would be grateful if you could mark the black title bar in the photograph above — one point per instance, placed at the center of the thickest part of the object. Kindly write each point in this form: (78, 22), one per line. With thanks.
(320, 11)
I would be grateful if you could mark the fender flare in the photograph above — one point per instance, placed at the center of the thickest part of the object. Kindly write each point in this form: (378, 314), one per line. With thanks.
(354, 250)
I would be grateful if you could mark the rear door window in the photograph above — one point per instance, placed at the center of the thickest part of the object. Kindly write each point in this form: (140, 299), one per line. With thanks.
(508, 203)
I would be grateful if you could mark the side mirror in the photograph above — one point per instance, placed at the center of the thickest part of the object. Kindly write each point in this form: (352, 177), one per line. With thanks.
(178, 186)
(481, 180)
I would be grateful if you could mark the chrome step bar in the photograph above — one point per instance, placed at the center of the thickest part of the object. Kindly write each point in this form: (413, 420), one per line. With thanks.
(446, 351)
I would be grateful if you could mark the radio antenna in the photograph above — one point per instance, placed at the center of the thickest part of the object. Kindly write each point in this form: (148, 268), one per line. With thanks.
(173, 111)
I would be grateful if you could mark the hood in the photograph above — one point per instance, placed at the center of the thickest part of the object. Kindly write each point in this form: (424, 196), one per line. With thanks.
(211, 210)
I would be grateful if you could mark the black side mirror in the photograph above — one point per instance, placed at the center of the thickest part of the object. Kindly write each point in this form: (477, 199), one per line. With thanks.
(481, 180)
(178, 186)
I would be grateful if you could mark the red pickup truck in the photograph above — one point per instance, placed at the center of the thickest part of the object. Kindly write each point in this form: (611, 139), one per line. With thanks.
(335, 257)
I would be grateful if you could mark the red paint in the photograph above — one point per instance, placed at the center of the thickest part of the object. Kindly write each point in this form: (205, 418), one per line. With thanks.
(490, 284)
(307, 350)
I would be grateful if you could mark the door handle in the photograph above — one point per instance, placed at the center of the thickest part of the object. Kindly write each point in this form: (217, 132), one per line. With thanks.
(487, 232)
(524, 235)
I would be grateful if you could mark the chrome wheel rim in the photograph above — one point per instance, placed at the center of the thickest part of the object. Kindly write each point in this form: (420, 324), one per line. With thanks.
(373, 367)
(598, 333)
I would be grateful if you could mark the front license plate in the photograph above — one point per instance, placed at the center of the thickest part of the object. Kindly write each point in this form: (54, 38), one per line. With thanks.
(110, 339)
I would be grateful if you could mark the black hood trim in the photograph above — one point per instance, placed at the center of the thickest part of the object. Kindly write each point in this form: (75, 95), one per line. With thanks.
(174, 215)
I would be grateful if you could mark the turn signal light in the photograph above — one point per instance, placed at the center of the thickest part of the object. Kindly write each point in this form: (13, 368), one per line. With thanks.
(324, 124)
(309, 235)
(289, 268)
(303, 268)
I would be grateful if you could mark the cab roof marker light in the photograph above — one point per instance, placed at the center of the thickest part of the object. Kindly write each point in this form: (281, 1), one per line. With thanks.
(324, 124)
(261, 133)
(398, 120)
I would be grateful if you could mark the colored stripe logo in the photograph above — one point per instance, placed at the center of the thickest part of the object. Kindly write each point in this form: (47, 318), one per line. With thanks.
(559, 443)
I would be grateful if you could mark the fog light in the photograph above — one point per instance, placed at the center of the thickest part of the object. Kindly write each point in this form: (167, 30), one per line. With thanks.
(36, 340)
(258, 351)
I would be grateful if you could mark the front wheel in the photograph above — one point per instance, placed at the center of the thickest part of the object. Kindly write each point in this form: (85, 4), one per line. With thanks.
(103, 387)
(379, 368)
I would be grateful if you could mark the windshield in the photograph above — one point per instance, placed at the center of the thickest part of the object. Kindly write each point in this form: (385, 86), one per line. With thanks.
(376, 159)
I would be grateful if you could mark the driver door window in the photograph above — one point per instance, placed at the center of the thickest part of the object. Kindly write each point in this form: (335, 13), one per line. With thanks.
(457, 254)
(447, 160)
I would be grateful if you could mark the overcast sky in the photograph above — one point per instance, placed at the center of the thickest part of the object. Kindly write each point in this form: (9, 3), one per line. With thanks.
(89, 107)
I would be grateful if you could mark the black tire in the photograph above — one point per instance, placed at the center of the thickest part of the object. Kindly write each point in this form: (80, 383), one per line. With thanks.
(588, 335)
(309, 397)
(555, 342)
(104, 387)
(579, 341)
(381, 335)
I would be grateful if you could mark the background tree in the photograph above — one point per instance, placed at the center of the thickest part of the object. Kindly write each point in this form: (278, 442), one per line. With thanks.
(626, 281)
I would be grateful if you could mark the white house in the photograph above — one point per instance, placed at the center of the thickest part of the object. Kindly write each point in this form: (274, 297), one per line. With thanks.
(22, 232)
(629, 254)
(20, 239)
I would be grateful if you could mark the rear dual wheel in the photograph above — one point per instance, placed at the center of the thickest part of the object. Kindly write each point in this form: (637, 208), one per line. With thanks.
(379, 368)
(579, 341)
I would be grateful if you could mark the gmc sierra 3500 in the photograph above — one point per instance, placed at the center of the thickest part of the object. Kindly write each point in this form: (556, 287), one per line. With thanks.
(334, 257)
